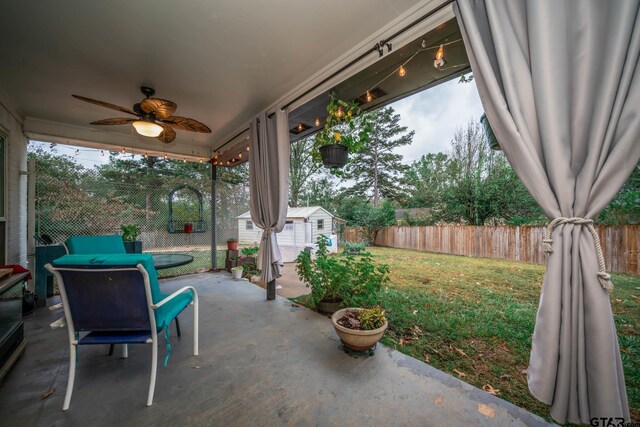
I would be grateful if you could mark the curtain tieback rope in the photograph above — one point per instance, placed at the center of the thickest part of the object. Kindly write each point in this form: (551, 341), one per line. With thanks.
(603, 276)
(266, 233)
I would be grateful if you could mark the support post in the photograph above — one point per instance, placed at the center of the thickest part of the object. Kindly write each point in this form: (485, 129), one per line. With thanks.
(271, 290)
(214, 246)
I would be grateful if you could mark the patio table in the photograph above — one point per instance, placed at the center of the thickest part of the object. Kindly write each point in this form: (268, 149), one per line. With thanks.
(162, 261)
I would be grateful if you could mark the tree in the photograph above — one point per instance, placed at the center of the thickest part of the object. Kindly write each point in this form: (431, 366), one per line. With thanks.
(302, 168)
(625, 206)
(358, 211)
(430, 181)
(377, 170)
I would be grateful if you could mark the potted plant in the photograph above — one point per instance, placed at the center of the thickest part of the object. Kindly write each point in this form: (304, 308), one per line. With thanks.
(130, 234)
(236, 272)
(336, 281)
(232, 243)
(360, 329)
(188, 228)
(341, 134)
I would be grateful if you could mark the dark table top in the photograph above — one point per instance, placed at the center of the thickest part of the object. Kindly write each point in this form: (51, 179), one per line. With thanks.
(161, 261)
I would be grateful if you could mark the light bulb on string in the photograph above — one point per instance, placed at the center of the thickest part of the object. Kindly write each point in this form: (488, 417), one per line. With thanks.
(317, 122)
(124, 150)
(166, 157)
(439, 61)
(240, 155)
(145, 155)
(101, 153)
(369, 98)
(77, 152)
(402, 72)
(248, 148)
(300, 127)
(339, 113)
(200, 160)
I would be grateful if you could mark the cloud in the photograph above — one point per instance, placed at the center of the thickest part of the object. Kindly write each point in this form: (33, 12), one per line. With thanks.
(434, 115)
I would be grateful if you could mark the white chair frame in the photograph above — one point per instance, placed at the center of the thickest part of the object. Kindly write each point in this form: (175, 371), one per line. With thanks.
(73, 343)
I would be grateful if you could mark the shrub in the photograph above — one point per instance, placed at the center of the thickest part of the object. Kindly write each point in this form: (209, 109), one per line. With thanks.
(357, 281)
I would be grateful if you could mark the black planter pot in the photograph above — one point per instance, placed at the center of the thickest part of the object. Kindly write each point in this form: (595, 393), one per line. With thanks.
(334, 155)
(133, 247)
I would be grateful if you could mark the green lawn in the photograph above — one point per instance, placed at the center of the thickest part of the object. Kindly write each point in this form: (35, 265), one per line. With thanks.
(474, 317)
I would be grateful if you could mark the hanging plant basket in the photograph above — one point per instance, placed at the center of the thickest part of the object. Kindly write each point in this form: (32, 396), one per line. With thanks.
(334, 155)
(345, 131)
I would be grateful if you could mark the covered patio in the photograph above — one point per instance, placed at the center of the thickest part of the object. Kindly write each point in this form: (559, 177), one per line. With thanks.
(259, 364)
(568, 126)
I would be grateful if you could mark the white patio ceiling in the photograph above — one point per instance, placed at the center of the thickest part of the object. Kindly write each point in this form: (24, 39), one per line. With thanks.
(221, 61)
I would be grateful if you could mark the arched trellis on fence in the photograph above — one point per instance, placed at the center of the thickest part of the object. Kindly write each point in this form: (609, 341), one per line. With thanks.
(185, 225)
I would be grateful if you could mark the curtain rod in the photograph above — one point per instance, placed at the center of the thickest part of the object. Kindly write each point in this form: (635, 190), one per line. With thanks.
(375, 48)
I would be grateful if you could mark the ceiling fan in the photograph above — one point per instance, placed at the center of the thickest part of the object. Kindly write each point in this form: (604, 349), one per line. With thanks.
(154, 117)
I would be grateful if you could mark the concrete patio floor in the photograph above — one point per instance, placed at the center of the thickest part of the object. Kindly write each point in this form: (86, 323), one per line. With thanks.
(261, 363)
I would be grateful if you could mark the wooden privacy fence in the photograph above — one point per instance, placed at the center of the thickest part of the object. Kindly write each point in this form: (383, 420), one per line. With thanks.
(517, 243)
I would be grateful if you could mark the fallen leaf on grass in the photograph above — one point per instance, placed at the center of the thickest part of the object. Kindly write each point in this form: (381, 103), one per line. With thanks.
(415, 312)
(405, 340)
(426, 357)
(505, 377)
(461, 352)
(48, 393)
(523, 371)
(460, 373)
(489, 389)
(195, 367)
(487, 411)
(438, 400)
(418, 330)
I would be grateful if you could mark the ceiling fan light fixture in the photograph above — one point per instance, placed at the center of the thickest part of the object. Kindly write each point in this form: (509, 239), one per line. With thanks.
(147, 128)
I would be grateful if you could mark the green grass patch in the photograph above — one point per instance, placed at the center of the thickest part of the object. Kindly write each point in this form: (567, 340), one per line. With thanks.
(474, 318)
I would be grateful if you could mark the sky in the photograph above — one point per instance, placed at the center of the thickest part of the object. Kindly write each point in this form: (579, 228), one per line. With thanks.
(434, 114)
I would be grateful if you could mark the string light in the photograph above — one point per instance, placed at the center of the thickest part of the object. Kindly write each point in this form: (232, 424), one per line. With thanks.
(439, 61)
(200, 160)
(339, 113)
(300, 127)
(145, 155)
(247, 148)
(317, 122)
(101, 153)
(166, 157)
(369, 98)
(184, 160)
(77, 152)
(240, 155)
(124, 150)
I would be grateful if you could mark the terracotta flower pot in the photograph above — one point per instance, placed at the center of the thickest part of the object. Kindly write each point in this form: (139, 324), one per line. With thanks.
(232, 246)
(356, 339)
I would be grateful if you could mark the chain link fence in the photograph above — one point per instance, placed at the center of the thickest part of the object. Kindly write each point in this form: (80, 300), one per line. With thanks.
(172, 212)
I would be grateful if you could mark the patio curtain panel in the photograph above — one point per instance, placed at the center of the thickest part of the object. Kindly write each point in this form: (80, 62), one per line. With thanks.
(560, 85)
(269, 186)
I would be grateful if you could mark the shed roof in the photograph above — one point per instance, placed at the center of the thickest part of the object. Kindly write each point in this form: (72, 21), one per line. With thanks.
(303, 212)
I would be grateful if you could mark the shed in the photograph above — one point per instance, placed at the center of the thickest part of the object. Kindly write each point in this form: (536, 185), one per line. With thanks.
(302, 229)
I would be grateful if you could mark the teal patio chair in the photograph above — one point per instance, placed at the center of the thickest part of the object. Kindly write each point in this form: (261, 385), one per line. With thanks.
(104, 244)
(115, 299)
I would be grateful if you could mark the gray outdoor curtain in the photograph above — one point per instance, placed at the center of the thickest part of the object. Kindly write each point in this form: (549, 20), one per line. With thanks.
(269, 186)
(560, 84)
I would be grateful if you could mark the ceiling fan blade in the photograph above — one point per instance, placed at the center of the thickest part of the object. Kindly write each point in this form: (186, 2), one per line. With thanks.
(160, 107)
(167, 135)
(185, 123)
(104, 104)
(114, 121)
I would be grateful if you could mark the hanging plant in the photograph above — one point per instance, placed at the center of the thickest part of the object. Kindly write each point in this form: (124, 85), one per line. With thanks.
(345, 131)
